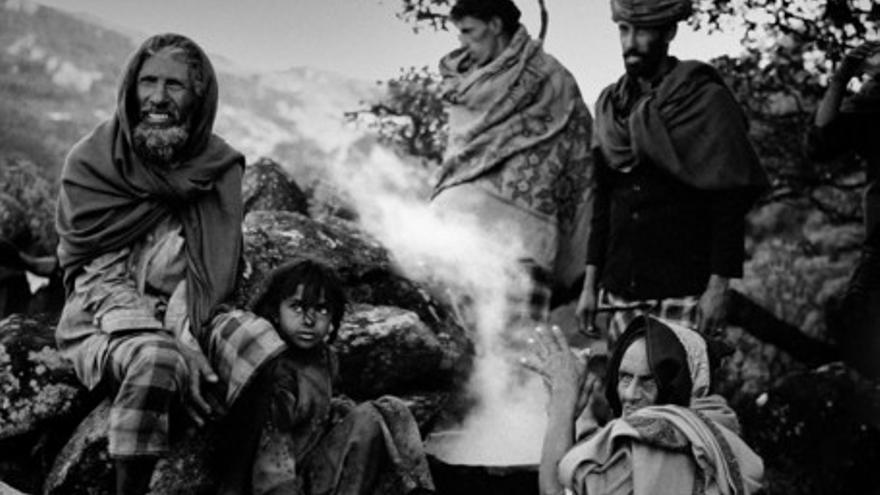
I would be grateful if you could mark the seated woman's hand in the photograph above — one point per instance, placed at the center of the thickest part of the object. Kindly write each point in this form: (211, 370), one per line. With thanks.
(562, 370)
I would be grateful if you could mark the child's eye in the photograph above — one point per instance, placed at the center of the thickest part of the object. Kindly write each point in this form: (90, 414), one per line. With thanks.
(296, 308)
(322, 310)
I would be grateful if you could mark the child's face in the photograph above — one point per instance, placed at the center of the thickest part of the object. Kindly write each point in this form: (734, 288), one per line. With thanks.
(303, 327)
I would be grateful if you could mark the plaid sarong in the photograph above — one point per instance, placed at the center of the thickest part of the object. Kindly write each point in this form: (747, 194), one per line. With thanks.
(238, 344)
(150, 377)
(680, 310)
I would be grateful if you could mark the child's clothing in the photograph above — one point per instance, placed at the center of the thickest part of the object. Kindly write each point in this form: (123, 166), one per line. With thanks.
(315, 444)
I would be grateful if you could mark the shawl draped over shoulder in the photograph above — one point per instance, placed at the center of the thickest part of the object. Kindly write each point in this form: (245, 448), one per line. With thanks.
(519, 134)
(689, 444)
(110, 198)
(689, 125)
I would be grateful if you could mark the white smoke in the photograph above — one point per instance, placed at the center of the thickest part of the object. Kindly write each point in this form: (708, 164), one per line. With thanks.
(453, 250)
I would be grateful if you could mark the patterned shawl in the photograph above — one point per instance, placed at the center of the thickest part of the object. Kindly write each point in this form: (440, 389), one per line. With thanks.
(109, 198)
(519, 100)
(689, 125)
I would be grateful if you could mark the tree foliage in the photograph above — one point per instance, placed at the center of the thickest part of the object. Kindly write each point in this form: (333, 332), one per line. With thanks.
(410, 116)
(791, 47)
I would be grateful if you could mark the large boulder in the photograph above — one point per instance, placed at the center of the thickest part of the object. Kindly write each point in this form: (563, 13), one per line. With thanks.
(265, 186)
(818, 432)
(366, 268)
(37, 385)
(387, 350)
(84, 467)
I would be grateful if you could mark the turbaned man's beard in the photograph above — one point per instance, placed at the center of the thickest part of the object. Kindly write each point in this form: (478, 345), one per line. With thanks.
(159, 145)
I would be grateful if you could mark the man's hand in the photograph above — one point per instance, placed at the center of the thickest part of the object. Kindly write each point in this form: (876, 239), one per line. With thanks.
(853, 62)
(200, 405)
(588, 300)
(711, 308)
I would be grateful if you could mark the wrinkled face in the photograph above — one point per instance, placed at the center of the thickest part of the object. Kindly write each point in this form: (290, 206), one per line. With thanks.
(482, 40)
(165, 101)
(644, 48)
(635, 382)
(301, 326)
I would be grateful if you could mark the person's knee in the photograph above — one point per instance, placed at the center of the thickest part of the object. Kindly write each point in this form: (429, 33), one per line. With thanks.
(159, 363)
(366, 420)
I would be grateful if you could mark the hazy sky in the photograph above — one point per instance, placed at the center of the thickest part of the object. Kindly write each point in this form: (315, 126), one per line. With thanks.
(364, 39)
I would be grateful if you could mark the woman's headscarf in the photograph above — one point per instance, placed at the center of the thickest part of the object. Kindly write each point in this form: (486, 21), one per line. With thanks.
(677, 356)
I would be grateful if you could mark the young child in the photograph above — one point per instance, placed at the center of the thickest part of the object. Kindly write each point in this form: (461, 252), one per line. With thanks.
(311, 442)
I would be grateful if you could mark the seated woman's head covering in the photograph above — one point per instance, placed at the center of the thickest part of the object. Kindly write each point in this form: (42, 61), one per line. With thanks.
(650, 13)
(677, 356)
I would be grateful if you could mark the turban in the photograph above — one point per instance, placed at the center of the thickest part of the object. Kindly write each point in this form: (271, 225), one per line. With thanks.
(650, 13)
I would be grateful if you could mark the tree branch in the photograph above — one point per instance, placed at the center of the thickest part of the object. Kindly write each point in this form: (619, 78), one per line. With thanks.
(765, 326)
(545, 20)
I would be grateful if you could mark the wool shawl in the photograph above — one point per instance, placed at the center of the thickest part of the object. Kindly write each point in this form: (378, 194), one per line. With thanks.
(110, 198)
(647, 452)
(689, 125)
(520, 99)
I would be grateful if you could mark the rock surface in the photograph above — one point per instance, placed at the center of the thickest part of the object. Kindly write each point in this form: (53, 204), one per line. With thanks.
(366, 269)
(265, 186)
(387, 350)
(36, 384)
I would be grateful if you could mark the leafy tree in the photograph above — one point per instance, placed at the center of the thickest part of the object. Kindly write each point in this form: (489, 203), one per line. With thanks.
(791, 47)
(410, 117)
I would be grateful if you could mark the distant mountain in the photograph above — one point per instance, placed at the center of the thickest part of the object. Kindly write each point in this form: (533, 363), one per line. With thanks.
(58, 77)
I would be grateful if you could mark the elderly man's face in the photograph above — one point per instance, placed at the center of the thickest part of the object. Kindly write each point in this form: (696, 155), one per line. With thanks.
(165, 102)
(635, 382)
(644, 48)
(482, 40)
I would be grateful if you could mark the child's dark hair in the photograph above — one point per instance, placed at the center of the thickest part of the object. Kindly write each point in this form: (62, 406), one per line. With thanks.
(316, 278)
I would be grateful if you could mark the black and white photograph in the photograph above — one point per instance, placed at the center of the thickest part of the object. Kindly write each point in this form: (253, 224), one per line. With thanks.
(440, 247)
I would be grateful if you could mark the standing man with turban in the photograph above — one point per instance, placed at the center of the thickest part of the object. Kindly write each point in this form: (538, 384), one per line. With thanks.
(149, 219)
(675, 175)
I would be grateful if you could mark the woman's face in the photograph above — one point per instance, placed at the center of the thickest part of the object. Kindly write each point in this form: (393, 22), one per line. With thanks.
(301, 326)
(635, 381)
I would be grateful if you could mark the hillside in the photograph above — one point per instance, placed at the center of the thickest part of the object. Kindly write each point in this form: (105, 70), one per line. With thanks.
(58, 76)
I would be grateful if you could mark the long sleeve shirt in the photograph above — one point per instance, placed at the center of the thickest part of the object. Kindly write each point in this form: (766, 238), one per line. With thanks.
(653, 236)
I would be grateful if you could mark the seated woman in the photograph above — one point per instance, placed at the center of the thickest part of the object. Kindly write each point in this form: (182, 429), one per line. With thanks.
(308, 442)
(669, 436)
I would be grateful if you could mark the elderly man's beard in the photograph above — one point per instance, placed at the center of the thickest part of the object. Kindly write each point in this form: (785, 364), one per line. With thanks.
(159, 145)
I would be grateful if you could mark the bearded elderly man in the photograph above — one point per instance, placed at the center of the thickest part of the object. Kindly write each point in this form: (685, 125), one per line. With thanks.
(517, 159)
(675, 175)
(149, 218)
